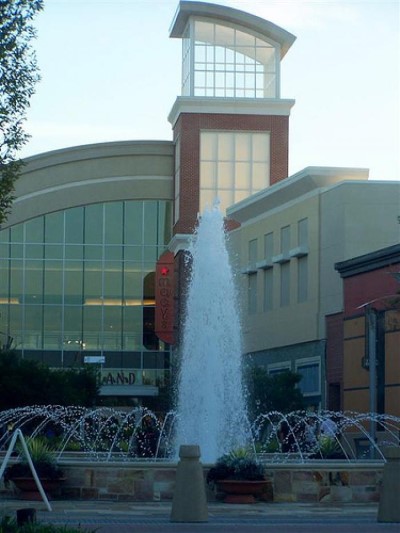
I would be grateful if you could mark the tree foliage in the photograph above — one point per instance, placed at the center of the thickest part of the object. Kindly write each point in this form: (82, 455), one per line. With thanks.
(278, 392)
(27, 382)
(18, 77)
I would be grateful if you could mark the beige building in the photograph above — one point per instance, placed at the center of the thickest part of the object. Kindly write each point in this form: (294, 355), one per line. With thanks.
(290, 238)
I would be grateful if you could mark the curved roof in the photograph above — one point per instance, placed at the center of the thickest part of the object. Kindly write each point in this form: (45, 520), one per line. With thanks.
(234, 16)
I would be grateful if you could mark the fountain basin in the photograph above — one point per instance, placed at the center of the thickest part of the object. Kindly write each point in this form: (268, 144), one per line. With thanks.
(317, 481)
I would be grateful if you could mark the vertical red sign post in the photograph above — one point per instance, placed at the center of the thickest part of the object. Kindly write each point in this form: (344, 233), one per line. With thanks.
(164, 293)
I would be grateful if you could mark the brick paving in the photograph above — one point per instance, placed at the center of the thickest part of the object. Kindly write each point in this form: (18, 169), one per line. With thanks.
(129, 517)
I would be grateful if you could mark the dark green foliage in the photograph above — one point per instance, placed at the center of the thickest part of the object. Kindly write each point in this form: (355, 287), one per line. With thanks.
(236, 465)
(9, 525)
(25, 382)
(273, 393)
(18, 77)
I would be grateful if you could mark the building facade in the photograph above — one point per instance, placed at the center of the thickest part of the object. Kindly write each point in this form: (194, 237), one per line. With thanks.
(370, 331)
(92, 255)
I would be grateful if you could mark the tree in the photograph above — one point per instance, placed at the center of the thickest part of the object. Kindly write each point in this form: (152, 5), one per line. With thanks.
(278, 392)
(18, 77)
(26, 382)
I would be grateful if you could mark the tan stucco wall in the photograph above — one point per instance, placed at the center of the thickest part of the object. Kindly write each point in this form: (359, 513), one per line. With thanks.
(347, 216)
(93, 173)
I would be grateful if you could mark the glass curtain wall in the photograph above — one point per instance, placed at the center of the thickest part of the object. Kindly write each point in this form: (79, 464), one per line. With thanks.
(229, 62)
(80, 282)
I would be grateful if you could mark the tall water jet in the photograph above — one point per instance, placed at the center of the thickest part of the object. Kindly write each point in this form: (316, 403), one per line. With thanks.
(211, 400)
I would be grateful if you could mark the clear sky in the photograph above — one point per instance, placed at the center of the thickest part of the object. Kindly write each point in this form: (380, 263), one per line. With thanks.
(110, 72)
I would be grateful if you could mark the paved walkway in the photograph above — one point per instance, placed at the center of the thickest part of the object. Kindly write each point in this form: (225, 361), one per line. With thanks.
(130, 517)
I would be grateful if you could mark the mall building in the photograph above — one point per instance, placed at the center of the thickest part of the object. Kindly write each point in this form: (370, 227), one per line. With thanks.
(91, 257)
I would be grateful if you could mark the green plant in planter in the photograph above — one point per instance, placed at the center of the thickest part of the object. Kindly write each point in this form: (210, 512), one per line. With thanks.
(329, 448)
(236, 465)
(43, 460)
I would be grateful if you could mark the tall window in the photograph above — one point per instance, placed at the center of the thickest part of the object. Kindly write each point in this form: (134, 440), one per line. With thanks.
(309, 369)
(268, 289)
(302, 261)
(228, 62)
(252, 292)
(233, 165)
(253, 252)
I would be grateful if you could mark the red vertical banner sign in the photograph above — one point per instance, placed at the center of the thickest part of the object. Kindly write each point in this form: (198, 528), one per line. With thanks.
(164, 293)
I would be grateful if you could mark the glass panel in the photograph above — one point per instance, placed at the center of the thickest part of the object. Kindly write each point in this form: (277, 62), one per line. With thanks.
(16, 327)
(17, 251)
(243, 146)
(208, 146)
(74, 225)
(5, 235)
(4, 250)
(73, 277)
(94, 224)
(34, 282)
(260, 178)
(113, 228)
(53, 327)
(150, 222)
(225, 175)
(53, 282)
(260, 147)
(208, 174)
(54, 227)
(4, 279)
(133, 223)
(34, 251)
(204, 31)
(112, 328)
(72, 327)
(92, 327)
(226, 146)
(133, 253)
(93, 286)
(133, 282)
(92, 251)
(74, 251)
(33, 326)
(113, 252)
(17, 233)
(309, 383)
(224, 35)
(112, 281)
(34, 230)
(243, 176)
(16, 289)
(53, 251)
(132, 327)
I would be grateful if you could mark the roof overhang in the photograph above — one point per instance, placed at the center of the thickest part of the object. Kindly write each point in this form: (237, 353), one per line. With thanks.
(225, 14)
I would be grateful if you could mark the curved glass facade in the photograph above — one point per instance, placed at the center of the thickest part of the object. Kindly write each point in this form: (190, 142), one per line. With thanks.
(80, 282)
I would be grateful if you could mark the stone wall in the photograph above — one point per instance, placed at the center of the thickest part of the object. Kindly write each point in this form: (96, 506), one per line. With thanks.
(324, 482)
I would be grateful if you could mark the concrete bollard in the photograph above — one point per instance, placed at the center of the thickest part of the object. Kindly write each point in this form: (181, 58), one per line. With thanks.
(389, 502)
(189, 503)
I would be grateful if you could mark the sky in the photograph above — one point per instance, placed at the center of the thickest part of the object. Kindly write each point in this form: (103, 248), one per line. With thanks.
(110, 72)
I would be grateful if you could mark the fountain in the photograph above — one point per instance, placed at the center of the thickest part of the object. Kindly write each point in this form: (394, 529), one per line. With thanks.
(211, 408)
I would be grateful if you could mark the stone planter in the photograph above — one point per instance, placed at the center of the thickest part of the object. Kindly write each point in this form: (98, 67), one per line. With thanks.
(29, 490)
(241, 491)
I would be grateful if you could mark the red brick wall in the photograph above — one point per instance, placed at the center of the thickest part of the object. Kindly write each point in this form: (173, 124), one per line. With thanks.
(334, 356)
(188, 127)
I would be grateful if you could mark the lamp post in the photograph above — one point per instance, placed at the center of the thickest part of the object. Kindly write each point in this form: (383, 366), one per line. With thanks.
(370, 313)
